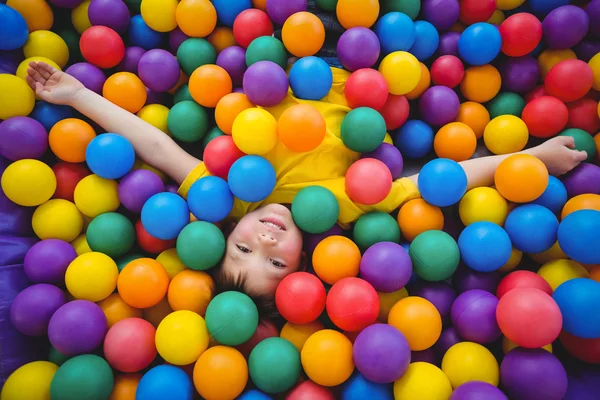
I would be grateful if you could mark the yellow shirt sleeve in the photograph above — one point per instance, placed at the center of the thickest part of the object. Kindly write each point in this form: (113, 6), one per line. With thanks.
(199, 172)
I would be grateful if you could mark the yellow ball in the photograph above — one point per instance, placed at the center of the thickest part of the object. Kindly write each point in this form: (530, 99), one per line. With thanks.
(594, 64)
(92, 276)
(171, 262)
(402, 72)
(558, 272)
(95, 195)
(298, 334)
(47, 44)
(16, 97)
(30, 382)
(156, 115)
(79, 17)
(327, 358)
(549, 58)
(553, 253)
(506, 134)
(515, 259)
(483, 204)
(508, 4)
(466, 362)
(22, 68)
(497, 18)
(255, 131)
(422, 381)
(28, 182)
(387, 301)
(57, 219)
(181, 337)
(81, 245)
(159, 14)
(388, 139)
(508, 345)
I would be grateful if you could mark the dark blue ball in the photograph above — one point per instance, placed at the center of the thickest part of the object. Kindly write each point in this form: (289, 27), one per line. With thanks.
(165, 382)
(543, 7)
(228, 10)
(480, 43)
(579, 300)
(311, 78)
(442, 182)
(141, 35)
(251, 178)
(110, 156)
(532, 228)
(579, 236)
(414, 139)
(396, 32)
(554, 197)
(164, 215)
(426, 42)
(360, 388)
(484, 246)
(210, 199)
(49, 114)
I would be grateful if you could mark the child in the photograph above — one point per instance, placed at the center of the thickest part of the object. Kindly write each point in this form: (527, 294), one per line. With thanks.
(265, 246)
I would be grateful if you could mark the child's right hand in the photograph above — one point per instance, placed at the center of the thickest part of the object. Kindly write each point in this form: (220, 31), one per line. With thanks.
(559, 155)
(52, 85)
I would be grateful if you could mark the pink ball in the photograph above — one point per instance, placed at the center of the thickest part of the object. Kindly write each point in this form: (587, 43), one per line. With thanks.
(368, 181)
(129, 345)
(447, 71)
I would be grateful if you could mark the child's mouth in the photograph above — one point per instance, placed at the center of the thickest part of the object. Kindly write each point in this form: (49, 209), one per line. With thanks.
(274, 224)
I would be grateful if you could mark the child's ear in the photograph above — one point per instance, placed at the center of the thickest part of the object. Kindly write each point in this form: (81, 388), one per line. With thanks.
(303, 262)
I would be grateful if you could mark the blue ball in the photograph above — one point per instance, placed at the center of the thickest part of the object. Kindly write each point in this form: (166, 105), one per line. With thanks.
(554, 197)
(426, 42)
(359, 388)
(414, 139)
(311, 78)
(164, 215)
(254, 394)
(141, 35)
(579, 236)
(543, 7)
(210, 199)
(251, 178)
(442, 182)
(228, 10)
(110, 156)
(165, 382)
(484, 246)
(480, 43)
(579, 300)
(49, 114)
(13, 28)
(532, 228)
(396, 32)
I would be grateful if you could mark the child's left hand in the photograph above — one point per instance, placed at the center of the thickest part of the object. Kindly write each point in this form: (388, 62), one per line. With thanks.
(559, 155)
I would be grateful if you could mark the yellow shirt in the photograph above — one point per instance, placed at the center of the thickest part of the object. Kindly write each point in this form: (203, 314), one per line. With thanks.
(325, 166)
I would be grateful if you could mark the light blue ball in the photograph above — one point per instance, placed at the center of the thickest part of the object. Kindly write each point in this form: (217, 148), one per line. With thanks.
(251, 178)
(532, 228)
(543, 7)
(484, 246)
(228, 10)
(480, 43)
(49, 114)
(554, 197)
(210, 199)
(165, 382)
(141, 35)
(13, 28)
(414, 139)
(311, 78)
(442, 182)
(426, 42)
(579, 300)
(579, 236)
(110, 156)
(360, 388)
(254, 394)
(396, 32)
(164, 215)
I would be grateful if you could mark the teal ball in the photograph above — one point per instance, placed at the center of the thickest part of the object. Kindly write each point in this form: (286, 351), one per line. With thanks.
(231, 318)
(363, 129)
(200, 245)
(435, 255)
(274, 365)
(315, 209)
(375, 227)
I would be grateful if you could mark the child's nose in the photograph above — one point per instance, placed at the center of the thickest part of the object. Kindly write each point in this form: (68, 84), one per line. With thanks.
(267, 239)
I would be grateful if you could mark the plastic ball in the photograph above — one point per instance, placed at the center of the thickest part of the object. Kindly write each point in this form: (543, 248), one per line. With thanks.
(358, 48)
(159, 70)
(455, 141)
(111, 233)
(231, 318)
(435, 255)
(422, 381)
(49, 114)
(220, 372)
(229, 108)
(33, 379)
(156, 115)
(472, 11)
(266, 48)
(390, 156)
(447, 71)
(148, 242)
(576, 298)
(474, 316)
(583, 142)
(110, 156)
(125, 386)
(583, 179)
(581, 202)
(352, 13)
(583, 114)
(208, 84)
(565, 26)
(210, 199)
(102, 47)
(129, 345)
(21, 100)
(414, 139)
(110, 13)
(484, 246)
(335, 258)
(522, 279)
(94, 195)
(481, 83)
(143, 283)
(125, 90)
(363, 129)
(300, 298)
(301, 128)
(32, 308)
(57, 219)
(47, 44)
(28, 182)
(352, 294)
(554, 197)
(91, 276)
(418, 320)
(137, 187)
(274, 365)
(366, 87)
(251, 178)
(480, 43)
(569, 80)
(368, 181)
(14, 31)
(417, 216)
(358, 387)
(532, 228)
(396, 32)
(585, 350)
(77, 327)
(439, 105)
(164, 215)
(83, 376)
(115, 309)
(188, 121)
(255, 131)
(483, 204)
(250, 24)
(545, 116)
(308, 69)
(440, 294)
(467, 362)
(386, 266)
(375, 227)
(165, 381)
(196, 18)
(315, 209)
(402, 72)
(220, 154)
(181, 337)
(266, 329)
(47, 261)
(298, 334)
(496, 139)
(507, 103)
(194, 53)
(426, 41)
(303, 34)
(474, 115)
(557, 272)
(442, 182)
(521, 178)
(200, 232)
(521, 33)
(327, 358)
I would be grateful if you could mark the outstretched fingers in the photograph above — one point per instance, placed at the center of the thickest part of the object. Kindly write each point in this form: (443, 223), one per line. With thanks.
(47, 69)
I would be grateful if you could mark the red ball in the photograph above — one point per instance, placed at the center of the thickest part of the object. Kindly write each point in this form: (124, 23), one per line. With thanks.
(586, 350)
(308, 390)
(529, 317)
(102, 46)
(366, 87)
(395, 111)
(538, 91)
(352, 304)
(250, 24)
(149, 243)
(521, 33)
(569, 80)
(447, 71)
(583, 114)
(220, 154)
(368, 181)
(545, 116)
(67, 177)
(266, 329)
(129, 345)
(300, 297)
(472, 11)
(522, 279)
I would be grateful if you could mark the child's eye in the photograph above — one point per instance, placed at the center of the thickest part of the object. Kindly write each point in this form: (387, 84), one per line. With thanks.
(277, 264)
(243, 249)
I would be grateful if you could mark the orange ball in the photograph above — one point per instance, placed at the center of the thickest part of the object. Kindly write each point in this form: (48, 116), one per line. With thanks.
(595, 274)
(125, 90)
(417, 216)
(521, 178)
(260, 4)
(335, 258)
(221, 38)
(586, 201)
(298, 334)
(597, 138)
(423, 84)
(191, 290)
(196, 18)
(157, 313)
(303, 34)
(455, 141)
(475, 115)
(116, 309)
(221, 373)
(208, 84)
(327, 358)
(418, 320)
(143, 283)
(351, 13)
(481, 83)
(69, 138)
(301, 128)
(229, 107)
(125, 387)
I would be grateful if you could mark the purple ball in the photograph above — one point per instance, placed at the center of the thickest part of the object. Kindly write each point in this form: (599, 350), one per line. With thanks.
(381, 353)
(467, 279)
(584, 383)
(9, 61)
(441, 13)
(449, 44)
(448, 338)
(587, 49)
(153, 97)
(390, 156)
(48, 260)
(233, 60)
(138, 186)
(312, 240)
(66, 3)
(358, 48)
(238, 90)
(131, 60)
(111, 13)
(564, 27)
(280, 10)
(31, 310)
(159, 70)
(91, 76)
(593, 12)
(440, 294)
(439, 105)
(22, 137)
(583, 179)
(429, 356)
(386, 266)
(77, 327)
(176, 37)
(474, 316)
(476, 390)
(520, 75)
(533, 374)
(171, 188)
(265, 83)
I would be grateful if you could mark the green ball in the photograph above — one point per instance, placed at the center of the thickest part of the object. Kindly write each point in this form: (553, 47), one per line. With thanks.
(315, 209)
(56, 357)
(123, 261)
(375, 227)
(200, 245)
(583, 141)
(327, 5)
(111, 233)
(435, 255)
(188, 121)
(182, 94)
(231, 318)
(194, 53)
(266, 48)
(82, 377)
(71, 38)
(408, 7)
(363, 129)
(274, 365)
(506, 103)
